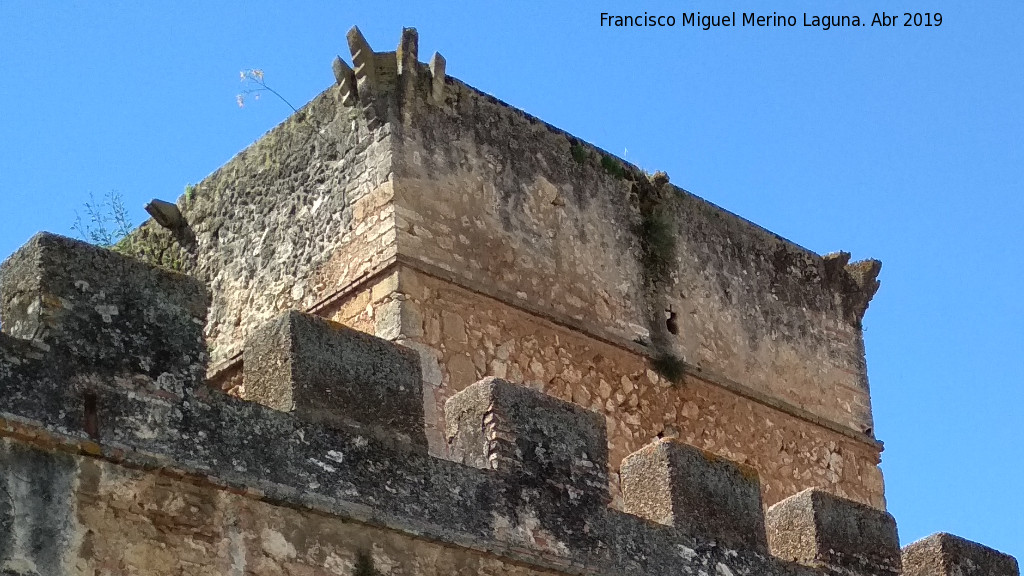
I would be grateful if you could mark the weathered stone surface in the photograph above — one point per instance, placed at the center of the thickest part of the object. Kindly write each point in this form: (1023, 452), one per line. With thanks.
(345, 78)
(227, 447)
(682, 486)
(437, 76)
(818, 529)
(291, 221)
(407, 55)
(322, 371)
(498, 202)
(948, 555)
(160, 525)
(541, 440)
(37, 506)
(165, 213)
(218, 441)
(368, 76)
(473, 336)
(102, 311)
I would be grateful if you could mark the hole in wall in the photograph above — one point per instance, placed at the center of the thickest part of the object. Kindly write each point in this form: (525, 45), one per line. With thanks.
(91, 418)
(672, 322)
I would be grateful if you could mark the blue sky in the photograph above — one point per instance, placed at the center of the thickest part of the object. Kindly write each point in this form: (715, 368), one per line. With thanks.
(903, 144)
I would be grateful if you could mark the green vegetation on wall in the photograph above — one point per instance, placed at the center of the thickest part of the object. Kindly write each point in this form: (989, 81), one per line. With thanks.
(613, 167)
(656, 232)
(106, 220)
(579, 153)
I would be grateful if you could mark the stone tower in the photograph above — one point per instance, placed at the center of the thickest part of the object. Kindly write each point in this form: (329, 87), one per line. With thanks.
(407, 204)
(414, 331)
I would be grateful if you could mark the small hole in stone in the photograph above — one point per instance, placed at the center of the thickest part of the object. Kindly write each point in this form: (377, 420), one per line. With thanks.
(671, 322)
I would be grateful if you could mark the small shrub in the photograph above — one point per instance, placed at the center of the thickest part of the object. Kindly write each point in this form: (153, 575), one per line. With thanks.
(669, 367)
(106, 221)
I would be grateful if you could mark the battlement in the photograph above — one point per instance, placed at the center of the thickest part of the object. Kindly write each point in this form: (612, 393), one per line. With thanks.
(114, 456)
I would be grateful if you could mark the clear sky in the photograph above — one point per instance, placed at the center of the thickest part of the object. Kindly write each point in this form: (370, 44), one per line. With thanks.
(900, 143)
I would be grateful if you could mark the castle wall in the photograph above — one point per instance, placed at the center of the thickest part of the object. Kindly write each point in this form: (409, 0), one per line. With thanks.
(119, 521)
(117, 459)
(509, 205)
(464, 336)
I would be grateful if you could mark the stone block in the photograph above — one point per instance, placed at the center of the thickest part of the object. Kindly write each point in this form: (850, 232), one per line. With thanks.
(365, 63)
(101, 312)
(824, 531)
(437, 76)
(407, 54)
(325, 372)
(540, 440)
(362, 60)
(345, 78)
(948, 555)
(699, 493)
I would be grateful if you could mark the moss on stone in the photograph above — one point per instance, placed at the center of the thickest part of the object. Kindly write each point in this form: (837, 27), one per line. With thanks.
(155, 246)
(657, 228)
(657, 232)
(658, 241)
(613, 167)
(579, 153)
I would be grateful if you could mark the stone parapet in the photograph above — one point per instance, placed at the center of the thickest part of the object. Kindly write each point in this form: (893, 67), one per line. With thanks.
(101, 312)
(824, 531)
(547, 443)
(322, 371)
(947, 555)
(699, 493)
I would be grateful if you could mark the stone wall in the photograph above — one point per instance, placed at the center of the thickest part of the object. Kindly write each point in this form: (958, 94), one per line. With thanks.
(464, 336)
(116, 459)
(125, 521)
(402, 161)
(507, 204)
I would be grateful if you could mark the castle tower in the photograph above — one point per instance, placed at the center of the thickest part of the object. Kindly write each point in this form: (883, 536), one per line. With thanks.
(407, 204)
(695, 397)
